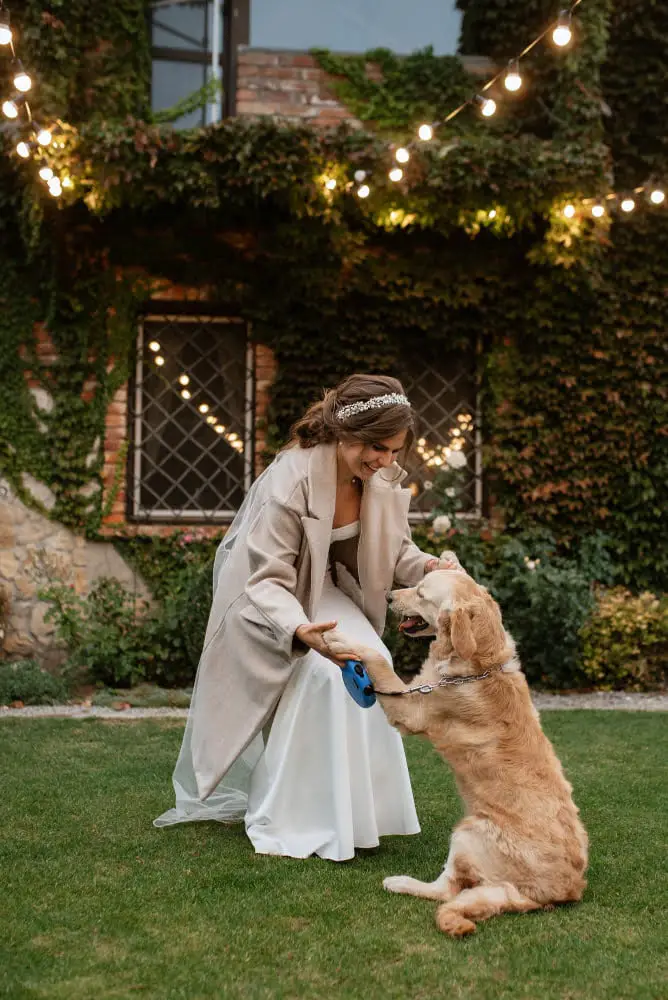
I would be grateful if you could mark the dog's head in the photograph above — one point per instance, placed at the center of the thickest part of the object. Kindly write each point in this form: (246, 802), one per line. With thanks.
(451, 605)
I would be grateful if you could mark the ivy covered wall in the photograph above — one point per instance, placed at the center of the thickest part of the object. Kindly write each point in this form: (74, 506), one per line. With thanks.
(571, 315)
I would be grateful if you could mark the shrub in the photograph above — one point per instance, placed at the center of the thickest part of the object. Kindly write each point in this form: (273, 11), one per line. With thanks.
(625, 641)
(25, 681)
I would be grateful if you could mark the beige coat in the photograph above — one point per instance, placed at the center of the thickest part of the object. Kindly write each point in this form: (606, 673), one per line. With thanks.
(272, 583)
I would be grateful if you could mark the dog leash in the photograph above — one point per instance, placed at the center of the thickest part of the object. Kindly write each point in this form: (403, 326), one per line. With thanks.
(445, 682)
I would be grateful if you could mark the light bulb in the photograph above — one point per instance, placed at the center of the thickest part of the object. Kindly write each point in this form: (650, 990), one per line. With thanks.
(23, 149)
(330, 184)
(512, 80)
(491, 214)
(360, 175)
(55, 187)
(22, 80)
(154, 346)
(68, 182)
(10, 109)
(186, 393)
(211, 419)
(562, 34)
(184, 379)
(5, 30)
(364, 191)
(203, 407)
(396, 174)
(219, 429)
(45, 172)
(426, 132)
(628, 205)
(657, 196)
(569, 211)
(487, 105)
(597, 210)
(44, 137)
(159, 360)
(402, 155)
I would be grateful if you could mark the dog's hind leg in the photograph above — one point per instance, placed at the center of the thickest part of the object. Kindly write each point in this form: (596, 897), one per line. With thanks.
(440, 889)
(457, 917)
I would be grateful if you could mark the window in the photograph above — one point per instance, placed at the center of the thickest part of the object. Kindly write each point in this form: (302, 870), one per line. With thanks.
(182, 43)
(443, 389)
(193, 419)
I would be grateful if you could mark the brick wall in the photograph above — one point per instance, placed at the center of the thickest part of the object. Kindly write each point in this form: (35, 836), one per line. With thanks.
(292, 86)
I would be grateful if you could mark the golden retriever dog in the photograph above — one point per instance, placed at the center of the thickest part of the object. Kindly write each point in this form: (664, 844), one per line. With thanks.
(521, 845)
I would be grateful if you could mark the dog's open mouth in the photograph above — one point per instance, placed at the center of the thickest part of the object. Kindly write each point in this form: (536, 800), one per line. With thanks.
(413, 624)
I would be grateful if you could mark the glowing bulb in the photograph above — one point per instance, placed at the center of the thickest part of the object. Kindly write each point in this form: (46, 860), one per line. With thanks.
(46, 173)
(68, 182)
(426, 132)
(396, 174)
(203, 407)
(562, 34)
(55, 187)
(5, 30)
(330, 184)
(159, 360)
(569, 211)
(628, 205)
(512, 80)
(211, 419)
(22, 80)
(184, 380)
(23, 149)
(597, 210)
(657, 196)
(232, 437)
(154, 346)
(219, 429)
(491, 214)
(360, 175)
(402, 155)
(364, 191)
(487, 105)
(44, 137)
(10, 109)
(422, 442)
(186, 393)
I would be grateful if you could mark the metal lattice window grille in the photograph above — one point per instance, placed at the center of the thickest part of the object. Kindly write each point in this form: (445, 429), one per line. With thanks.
(193, 419)
(444, 392)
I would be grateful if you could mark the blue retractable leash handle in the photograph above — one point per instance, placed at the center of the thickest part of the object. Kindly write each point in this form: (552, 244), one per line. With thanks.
(358, 683)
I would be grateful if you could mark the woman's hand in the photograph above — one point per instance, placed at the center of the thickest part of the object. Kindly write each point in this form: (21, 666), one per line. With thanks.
(431, 565)
(313, 637)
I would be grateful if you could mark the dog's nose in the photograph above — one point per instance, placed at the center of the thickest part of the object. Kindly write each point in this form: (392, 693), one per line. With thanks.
(388, 597)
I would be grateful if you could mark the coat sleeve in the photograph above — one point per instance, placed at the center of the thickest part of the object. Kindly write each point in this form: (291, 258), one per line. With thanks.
(411, 561)
(274, 541)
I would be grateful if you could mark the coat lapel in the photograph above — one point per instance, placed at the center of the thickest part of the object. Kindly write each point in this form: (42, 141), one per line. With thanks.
(318, 525)
(384, 516)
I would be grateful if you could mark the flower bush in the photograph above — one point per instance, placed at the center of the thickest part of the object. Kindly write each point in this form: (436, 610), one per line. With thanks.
(625, 641)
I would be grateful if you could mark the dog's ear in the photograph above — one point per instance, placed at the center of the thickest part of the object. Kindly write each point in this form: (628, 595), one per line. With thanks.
(461, 634)
(448, 556)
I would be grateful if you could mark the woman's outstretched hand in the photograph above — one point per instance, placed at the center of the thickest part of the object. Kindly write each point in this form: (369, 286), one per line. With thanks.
(313, 636)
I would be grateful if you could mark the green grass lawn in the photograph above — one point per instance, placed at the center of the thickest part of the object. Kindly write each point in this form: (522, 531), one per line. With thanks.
(97, 903)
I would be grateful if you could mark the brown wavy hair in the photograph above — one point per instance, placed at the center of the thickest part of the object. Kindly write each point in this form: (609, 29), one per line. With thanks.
(319, 424)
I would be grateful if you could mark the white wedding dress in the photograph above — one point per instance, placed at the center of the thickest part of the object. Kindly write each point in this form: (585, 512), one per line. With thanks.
(328, 776)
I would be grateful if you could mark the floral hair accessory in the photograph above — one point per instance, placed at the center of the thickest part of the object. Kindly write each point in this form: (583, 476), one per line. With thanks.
(375, 403)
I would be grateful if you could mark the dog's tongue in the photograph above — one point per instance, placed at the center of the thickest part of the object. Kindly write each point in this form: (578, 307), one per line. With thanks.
(409, 623)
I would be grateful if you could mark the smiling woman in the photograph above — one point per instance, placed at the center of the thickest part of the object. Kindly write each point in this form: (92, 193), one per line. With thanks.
(272, 735)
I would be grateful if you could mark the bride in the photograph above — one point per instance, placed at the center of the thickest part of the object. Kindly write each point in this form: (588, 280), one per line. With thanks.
(272, 735)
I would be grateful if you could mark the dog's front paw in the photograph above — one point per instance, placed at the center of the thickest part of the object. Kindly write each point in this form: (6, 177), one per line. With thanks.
(399, 883)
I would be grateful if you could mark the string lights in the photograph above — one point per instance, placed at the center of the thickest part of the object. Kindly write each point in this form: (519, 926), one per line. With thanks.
(17, 109)
(33, 148)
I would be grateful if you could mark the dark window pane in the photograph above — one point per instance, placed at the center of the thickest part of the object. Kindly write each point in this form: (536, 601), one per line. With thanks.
(191, 443)
(173, 81)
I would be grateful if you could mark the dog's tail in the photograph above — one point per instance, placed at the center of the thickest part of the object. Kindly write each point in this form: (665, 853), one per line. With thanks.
(457, 917)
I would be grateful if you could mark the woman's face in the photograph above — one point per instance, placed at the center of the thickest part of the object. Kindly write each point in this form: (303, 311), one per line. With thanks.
(364, 460)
